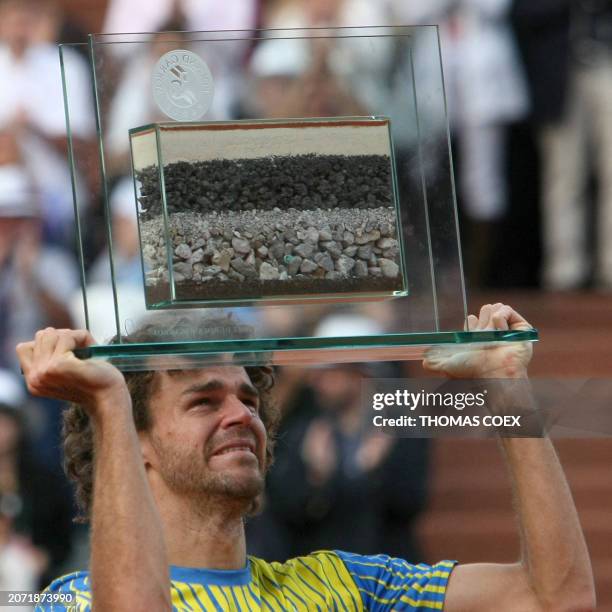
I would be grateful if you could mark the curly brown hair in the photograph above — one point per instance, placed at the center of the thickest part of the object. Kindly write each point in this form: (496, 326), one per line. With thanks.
(77, 429)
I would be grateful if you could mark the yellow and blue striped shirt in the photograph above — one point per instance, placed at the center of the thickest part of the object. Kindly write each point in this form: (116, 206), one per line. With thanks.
(322, 581)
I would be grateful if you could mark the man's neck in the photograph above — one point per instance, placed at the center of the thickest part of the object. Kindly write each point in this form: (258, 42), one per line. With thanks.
(207, 535)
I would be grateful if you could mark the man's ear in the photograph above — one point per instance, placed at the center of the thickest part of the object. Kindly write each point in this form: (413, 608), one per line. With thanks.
(147, 450)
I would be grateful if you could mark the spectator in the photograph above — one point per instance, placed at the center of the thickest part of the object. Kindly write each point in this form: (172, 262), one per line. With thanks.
(333, 481)
(486, 92)
(32, 119)
(126, 247)
(291, 82)
(18, 564)
(34, 501)
(327, 13)
(127, 268)
(567, 48)
(132, 105)
(322, 77)
(35, 279)
(200, 15)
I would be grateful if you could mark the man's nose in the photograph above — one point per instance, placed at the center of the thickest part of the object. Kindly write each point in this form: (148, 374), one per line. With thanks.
(236, 412)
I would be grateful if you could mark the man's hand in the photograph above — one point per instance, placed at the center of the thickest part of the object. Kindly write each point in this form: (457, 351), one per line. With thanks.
(52, 370)
(319, 452)
(495, 360)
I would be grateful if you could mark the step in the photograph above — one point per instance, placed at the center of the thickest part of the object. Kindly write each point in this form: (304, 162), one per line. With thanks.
(492, 536)
(474, 453)
(486, 488)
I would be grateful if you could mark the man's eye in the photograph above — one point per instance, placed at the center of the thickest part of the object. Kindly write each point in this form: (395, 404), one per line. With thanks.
(251, 403)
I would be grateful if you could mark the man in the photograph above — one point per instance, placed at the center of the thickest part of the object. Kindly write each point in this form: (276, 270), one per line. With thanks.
(567, 51)
(174, 490)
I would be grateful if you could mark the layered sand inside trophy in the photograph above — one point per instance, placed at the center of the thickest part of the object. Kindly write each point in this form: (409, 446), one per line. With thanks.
(306, 225)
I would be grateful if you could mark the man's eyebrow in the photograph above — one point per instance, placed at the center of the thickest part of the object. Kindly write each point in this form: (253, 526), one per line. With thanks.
(216, 385)
(248, 389)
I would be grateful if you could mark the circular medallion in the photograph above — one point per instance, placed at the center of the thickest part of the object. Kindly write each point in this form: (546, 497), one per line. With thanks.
(183, 86)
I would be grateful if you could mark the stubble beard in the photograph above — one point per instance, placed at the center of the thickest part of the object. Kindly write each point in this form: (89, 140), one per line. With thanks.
(190, 477)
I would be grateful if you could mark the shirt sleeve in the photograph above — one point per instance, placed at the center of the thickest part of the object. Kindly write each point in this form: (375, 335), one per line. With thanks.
(75, 586)
(386, 583)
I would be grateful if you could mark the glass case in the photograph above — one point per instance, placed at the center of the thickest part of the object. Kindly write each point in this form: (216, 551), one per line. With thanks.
(291, 194)
(232, 212)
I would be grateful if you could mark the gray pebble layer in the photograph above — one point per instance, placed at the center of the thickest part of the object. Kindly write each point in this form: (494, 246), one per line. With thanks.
(335, 250)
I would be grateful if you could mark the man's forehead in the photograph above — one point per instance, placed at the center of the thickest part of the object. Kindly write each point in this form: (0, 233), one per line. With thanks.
(229, 375)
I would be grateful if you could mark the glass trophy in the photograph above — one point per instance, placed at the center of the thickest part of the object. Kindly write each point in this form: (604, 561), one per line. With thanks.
(290, 195)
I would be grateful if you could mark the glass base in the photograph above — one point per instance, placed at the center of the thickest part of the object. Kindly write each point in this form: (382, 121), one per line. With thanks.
(290, 351)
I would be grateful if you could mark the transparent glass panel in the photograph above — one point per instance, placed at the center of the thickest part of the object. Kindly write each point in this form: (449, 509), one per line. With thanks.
(154, 238)
(80, 167)
(245, 142)
(107, 232)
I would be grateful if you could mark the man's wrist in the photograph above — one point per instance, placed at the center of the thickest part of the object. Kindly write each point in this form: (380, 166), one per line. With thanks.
(111, 404)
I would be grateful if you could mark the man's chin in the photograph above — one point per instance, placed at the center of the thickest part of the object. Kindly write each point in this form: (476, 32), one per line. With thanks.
(241, 483)
(240, 468)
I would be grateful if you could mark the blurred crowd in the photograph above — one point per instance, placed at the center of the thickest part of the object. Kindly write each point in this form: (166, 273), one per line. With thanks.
(528, 87)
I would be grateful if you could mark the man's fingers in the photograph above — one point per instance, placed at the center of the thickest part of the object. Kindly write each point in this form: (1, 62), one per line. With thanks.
(69, 340)
(472, 323)
(499, 317)
(517, 321)
(48, 355)
(25, 353)
(484, 316)
(44, 344)
(505, 317)
(83, 338)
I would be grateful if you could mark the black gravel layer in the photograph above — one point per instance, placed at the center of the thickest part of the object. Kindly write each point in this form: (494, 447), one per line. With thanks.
(301, 182)
(252, 289)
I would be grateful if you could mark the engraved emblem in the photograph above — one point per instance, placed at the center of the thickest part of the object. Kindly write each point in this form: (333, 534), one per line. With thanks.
(183, 86)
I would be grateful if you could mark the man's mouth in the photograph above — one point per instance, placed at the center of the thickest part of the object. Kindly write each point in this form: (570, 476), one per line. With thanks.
(245, 446)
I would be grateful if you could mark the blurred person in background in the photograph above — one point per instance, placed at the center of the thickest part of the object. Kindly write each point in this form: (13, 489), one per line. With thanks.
(198, 15)
(567, 49)
(289, 81)
(35, 502)
(132, 104)
(127, 265)
(486, 91)
(18, 563)
(333, 481)
(32, 118)
(126, 246)
(36, 279)
(337, 77)
(321, 77)
(326, 13)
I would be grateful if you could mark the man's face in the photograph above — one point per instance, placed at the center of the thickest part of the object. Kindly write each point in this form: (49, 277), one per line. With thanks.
(207, 436)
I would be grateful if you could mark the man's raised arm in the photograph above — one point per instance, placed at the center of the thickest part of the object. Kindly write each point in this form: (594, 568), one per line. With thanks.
(554, 572)
(129, 568)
